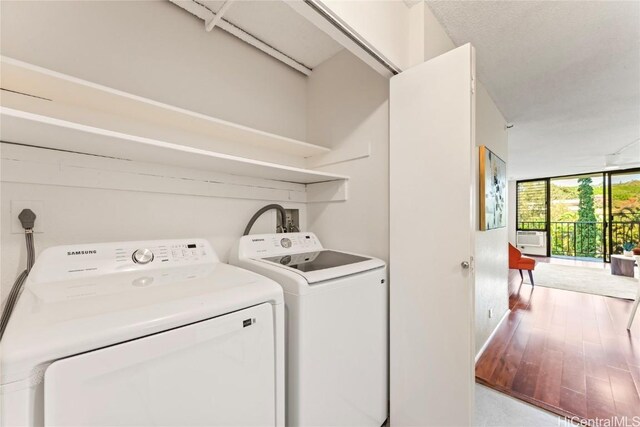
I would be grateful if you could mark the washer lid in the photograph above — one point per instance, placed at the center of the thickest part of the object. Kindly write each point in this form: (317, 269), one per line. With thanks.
(325, 265)
(56, 319)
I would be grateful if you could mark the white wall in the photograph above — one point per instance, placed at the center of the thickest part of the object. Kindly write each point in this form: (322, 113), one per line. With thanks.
(385, 25)
(492, 260)
(403, 33)
(349, 111)
(157, 50)
(511, 222)
(88, 199)
(436, 40)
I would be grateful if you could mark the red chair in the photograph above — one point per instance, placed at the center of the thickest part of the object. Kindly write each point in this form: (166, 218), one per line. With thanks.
(519, 262)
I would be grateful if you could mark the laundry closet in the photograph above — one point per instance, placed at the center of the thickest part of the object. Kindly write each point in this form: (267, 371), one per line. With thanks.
(150, 120)
(162, 79)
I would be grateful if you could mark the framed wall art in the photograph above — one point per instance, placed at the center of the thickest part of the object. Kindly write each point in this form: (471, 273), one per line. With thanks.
(493, 190)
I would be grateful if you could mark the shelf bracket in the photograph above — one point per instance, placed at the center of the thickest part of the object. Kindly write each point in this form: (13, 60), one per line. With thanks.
(217, 17)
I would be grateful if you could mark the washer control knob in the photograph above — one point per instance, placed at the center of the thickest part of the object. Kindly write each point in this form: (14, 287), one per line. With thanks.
(286, 243)
(142, 256)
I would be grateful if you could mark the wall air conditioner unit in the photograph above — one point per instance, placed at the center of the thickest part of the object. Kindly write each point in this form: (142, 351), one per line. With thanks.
(532, 242)
(530, 238)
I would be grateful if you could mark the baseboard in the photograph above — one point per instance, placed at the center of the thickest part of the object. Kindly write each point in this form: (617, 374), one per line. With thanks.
(488, 340)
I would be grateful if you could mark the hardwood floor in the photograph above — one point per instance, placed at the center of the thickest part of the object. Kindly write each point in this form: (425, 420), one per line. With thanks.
(567, 352)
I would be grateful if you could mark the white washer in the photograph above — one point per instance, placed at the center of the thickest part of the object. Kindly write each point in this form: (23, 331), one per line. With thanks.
(336, 304)
(143, 333)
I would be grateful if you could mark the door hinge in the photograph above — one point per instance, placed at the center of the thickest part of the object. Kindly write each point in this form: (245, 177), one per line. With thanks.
(473, 85)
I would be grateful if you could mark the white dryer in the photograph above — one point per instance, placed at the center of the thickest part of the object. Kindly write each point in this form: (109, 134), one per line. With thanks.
(143, 333)
(336, 305)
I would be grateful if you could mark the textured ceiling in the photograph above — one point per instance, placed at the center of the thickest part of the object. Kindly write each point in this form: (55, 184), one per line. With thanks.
(565, 74)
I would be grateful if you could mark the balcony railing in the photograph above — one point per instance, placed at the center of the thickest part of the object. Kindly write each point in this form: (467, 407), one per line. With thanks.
(586, 239)
(624, 231)
(577, 239)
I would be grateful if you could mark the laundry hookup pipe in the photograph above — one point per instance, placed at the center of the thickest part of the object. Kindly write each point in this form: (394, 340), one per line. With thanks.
(279, 208)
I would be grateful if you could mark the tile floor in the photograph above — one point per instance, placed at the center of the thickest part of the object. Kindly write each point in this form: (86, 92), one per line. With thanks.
(494, 409)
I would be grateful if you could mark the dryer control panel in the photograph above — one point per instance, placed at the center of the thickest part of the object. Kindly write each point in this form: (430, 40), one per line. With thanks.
(72, 261)
(264, 245)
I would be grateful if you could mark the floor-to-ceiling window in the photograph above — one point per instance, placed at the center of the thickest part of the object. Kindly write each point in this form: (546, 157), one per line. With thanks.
(587, 216)
(577, 226)
(624, 210)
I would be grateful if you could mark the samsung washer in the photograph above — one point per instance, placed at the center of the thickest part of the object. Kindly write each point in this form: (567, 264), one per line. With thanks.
(337, 323)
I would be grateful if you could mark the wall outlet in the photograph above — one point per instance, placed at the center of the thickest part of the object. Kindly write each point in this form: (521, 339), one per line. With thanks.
(490, 313)
(37, 206)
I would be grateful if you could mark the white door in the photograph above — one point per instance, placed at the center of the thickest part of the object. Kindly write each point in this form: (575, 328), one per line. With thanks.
(431, 235)
(219, 372)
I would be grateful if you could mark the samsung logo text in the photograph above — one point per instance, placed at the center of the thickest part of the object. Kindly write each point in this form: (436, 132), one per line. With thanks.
(90, 252)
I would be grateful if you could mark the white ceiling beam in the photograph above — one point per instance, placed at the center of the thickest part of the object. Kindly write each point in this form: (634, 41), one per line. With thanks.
(411, 3)
(310, 10)
(207, 15)
(216, 18)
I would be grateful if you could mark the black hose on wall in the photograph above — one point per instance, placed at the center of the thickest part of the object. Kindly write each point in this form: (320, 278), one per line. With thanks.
(27, 218)
(279, 208)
